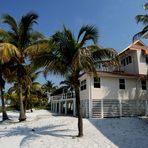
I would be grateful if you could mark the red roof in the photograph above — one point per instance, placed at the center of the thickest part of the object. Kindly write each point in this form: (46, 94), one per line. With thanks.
(137, 45)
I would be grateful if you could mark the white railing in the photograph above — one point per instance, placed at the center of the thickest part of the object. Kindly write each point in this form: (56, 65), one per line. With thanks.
(69, 95)
(109, 68)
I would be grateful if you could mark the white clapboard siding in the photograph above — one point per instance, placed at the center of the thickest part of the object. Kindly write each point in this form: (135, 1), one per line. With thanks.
(111, 108)
(85, 108)
(115, 108)
(133, 107)
(96, 108)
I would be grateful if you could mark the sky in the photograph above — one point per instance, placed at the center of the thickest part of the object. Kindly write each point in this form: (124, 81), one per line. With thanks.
(115, 19)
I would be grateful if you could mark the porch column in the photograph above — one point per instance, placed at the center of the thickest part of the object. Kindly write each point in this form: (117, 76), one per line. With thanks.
(74, 107)
(120, 107)
(65, 107)
(59, 107)
(146, 107)
(51, 107)
(90, 98)
(102, 110)
(56, 108)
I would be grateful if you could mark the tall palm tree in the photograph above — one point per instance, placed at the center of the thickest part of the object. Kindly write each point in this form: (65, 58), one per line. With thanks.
(68, 55)
(144, 20)
(21, 35)
(7, 53)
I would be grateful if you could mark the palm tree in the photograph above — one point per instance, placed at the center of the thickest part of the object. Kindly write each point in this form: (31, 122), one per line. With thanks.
(30, 85)
(144, 20)
(67, 83)
(68, 55)
(49, 87)
(21, 35)
(7, 53)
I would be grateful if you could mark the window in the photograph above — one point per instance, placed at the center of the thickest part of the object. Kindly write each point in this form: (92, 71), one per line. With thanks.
(97, 83)
(146, 60)
(121, 83)
(126, 61)
(83, 85)
(123, 62)
(143, 84)
(130, 59)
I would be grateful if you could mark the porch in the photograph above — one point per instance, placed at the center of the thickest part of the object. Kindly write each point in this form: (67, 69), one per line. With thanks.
(64, 104)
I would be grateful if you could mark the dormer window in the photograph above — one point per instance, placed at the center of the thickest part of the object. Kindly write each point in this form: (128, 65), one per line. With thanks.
(123, 62)
(126, 61)
(130, 59)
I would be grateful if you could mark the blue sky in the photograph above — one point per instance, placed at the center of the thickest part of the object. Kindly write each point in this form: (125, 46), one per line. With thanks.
(114, 18)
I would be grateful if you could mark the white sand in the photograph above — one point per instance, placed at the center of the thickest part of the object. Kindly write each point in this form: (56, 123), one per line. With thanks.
(60, 131)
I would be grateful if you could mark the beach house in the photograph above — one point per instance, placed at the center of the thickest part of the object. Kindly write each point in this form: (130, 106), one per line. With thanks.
(117, 90)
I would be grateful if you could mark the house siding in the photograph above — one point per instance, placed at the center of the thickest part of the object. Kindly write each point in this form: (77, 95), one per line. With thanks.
(110, 101)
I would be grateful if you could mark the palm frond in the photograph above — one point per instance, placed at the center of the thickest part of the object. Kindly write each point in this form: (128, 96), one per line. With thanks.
(6, 18)
(89, 33)
(100, 54)
(142, 19)
(8, 51)
(41, 46)
(36, 86)
(139, 34)
(41, 61)
(146, 6)
(55, 66)
(25, 27)
(12, 89)
(35, 36)
(4, 36)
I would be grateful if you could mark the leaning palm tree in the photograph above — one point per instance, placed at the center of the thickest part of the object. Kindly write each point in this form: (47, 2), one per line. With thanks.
(144, 20)
(21, 35)
(68, 55)
(7, 53)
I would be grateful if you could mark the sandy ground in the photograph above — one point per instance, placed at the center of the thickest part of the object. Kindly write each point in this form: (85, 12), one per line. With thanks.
(45, 130)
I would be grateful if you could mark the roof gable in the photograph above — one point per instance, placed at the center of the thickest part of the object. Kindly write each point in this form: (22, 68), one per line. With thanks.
(137, 45)
(138, 42)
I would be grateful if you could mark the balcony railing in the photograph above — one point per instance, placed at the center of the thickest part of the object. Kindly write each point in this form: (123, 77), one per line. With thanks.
(69, 95)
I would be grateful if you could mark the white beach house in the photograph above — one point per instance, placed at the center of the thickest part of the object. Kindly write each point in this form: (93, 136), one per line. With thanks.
(118, 91)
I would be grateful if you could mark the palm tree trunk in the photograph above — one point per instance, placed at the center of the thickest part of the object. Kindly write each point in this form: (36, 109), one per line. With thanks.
(26, 98)
(2, 84)
(22, 116)
(4, 114)
(79, 113)
(28, 103)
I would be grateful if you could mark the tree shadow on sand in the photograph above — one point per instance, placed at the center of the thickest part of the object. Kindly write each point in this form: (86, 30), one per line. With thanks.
(124, 132)
(31, 134)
